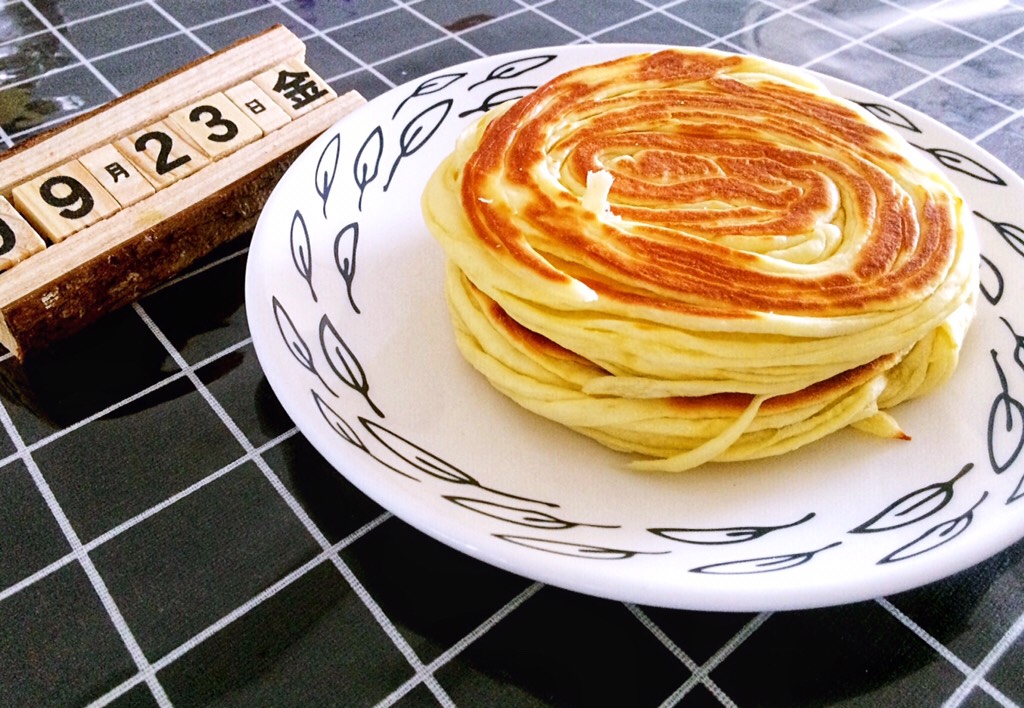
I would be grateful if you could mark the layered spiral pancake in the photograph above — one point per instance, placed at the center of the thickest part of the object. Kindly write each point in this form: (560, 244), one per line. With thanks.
(700, 256)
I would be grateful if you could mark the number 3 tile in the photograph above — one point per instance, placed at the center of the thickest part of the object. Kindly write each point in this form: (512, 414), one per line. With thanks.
(216, 125)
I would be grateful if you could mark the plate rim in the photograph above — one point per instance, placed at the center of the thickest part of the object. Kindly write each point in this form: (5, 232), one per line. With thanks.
(405, 507)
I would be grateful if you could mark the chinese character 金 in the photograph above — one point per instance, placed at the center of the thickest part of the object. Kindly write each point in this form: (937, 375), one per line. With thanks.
(297, 87)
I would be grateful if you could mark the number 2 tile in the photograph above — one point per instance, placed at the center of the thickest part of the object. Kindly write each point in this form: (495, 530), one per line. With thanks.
(216, 125)
(162, 153)
(62, 201)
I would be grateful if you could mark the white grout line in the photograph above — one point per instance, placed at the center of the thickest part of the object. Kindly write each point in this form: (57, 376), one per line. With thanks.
(323, 35)
(166, 381)
(182, 28)
(944, 652)
(976, 678)
(100, 587)
(71, 48)
(424, 673)
(689, 663)
(382, 619)
(457, 648)
(240, 611)
(701, 674)
(37, 576)
(448, 34)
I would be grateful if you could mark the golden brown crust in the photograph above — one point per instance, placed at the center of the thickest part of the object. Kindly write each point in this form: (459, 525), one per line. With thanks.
(729, 146)
(700, 256)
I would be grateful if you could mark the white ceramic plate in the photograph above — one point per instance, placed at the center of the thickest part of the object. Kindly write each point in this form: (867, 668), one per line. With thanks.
(344, 299)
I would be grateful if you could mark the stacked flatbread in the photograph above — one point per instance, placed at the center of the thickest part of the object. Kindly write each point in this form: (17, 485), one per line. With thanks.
(699, 256)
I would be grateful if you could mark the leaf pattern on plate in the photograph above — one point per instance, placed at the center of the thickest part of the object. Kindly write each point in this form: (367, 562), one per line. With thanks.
(936, 536)
(512, 93)
(295, 343)
(302, 256)
(1011, 233)
(347, 433)
(427, 462)
(767, 564)
(337, 423)
(724, 535)
(431, 85)
(993, 291)
(890, 115)
(367, 162)
(418, 131)
(913, 507)
(343, 362)
(961, 163)
(574, 550)
(517, 515)
(327, 169)
(1010, 435)
(346, 244)
(515, 67)
(412, 127)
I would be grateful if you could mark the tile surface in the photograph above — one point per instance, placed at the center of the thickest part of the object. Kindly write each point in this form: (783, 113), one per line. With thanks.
(167, 536)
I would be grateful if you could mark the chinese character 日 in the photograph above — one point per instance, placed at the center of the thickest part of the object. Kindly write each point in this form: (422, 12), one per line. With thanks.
(297, 87)
(255, 106)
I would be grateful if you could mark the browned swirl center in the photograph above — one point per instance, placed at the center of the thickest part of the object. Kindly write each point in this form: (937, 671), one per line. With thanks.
(731, 194)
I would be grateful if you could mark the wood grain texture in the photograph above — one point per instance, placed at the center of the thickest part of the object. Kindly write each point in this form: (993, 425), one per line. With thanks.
(111, 263)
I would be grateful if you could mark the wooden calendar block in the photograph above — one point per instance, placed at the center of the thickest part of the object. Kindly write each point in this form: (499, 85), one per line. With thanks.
(61, 289)
(64, 200)
(294, 87)
(117, 175)
(216, 125)
(261, 108)
(161, 153)
(18, 240)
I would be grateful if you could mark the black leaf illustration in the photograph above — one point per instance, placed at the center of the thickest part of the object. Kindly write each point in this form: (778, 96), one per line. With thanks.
(513, 93)
(890, 116)
(367, 163)
(1018, 491)
(429, 463)
(337, 423)
(523, 517)
(344, 363)
(431, 85)
(914, 506)
(348, 433)
(327, 169)
(995, 293)
(295, 343)
(1018, 350)
(345, 245)
(768, 564)
(1009, 410)
(1011, 233)
(936, 536)
(574, 550)
(963, 164)
(301, 256)
(516, 67)
(418, 131)
(721, 536)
